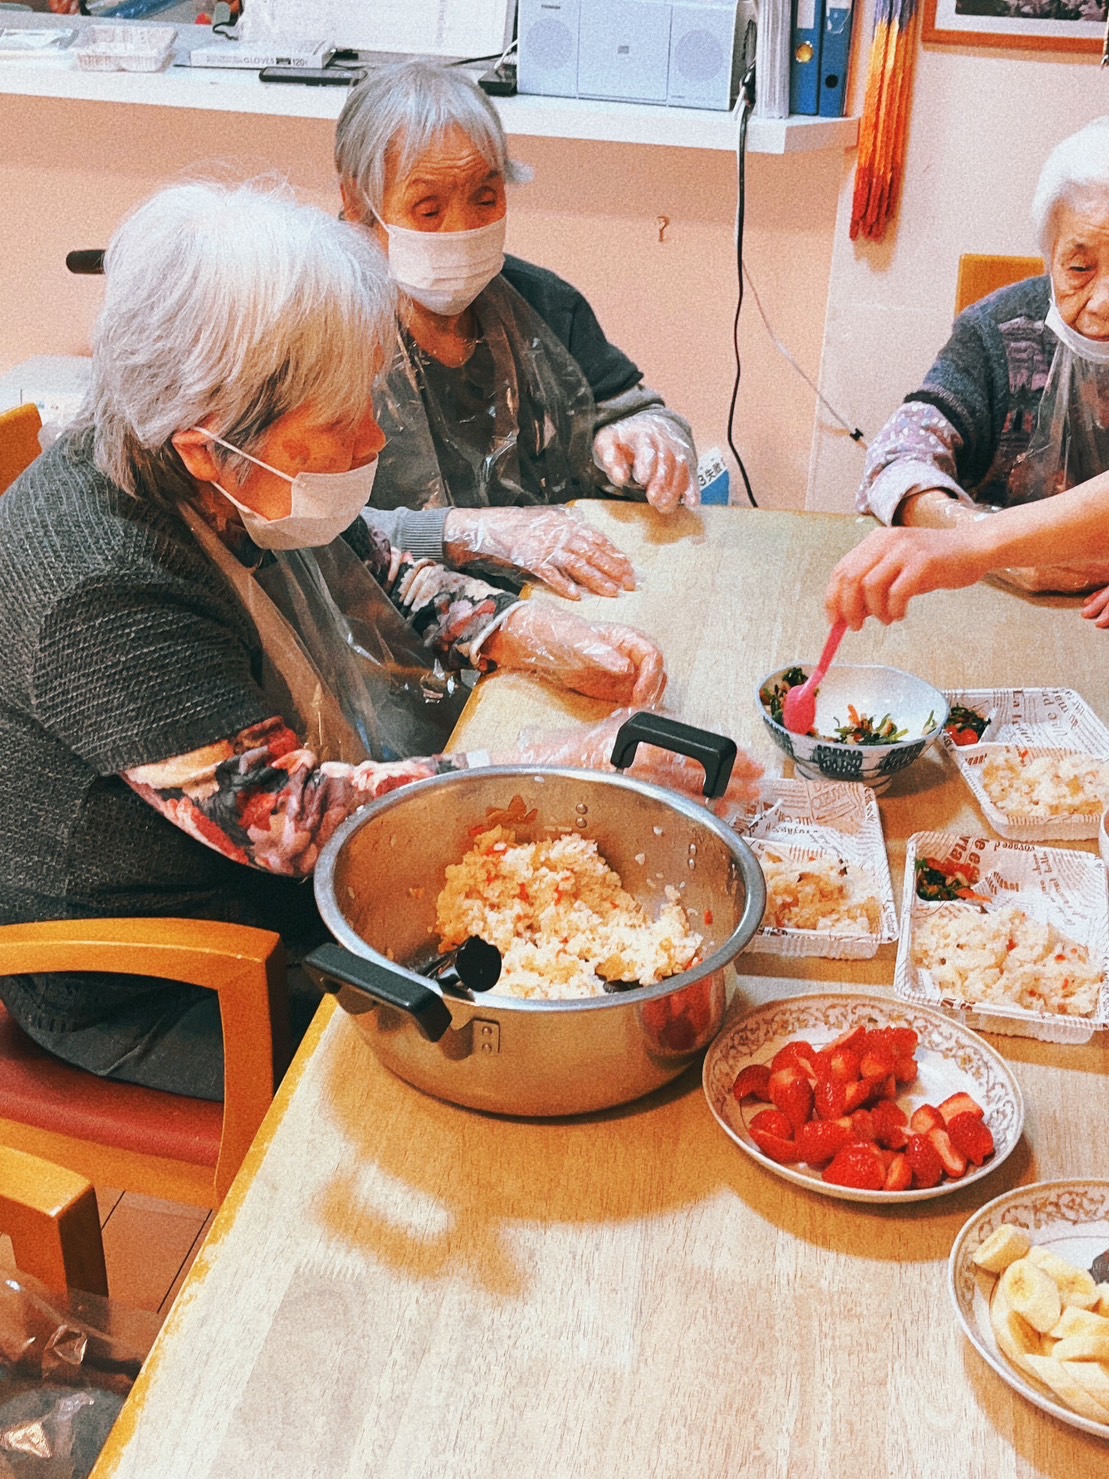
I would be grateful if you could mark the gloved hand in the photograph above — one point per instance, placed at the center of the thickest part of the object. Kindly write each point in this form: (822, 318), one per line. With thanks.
(589, 748)
(651, 452)
(554, 544)
(600, 659)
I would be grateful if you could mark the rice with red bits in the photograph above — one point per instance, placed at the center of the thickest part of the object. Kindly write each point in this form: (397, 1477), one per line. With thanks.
(560, 917)
(817, 893)
(1005, 958)
(1045, 786)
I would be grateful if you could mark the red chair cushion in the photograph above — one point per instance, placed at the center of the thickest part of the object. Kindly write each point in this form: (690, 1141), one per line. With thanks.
(40, 1090)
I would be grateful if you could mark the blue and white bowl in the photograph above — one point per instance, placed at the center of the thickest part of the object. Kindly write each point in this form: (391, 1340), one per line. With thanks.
(914, 705)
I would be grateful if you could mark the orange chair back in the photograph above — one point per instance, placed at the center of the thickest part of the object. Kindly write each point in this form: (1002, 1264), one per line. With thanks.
(52, 1219)
(19, 442)
(979, 276)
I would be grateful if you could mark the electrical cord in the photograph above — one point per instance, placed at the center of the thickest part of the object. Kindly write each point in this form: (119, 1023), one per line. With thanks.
(746, 103)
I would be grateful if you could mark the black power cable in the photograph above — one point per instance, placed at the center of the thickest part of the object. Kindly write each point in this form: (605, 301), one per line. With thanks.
(746, 103)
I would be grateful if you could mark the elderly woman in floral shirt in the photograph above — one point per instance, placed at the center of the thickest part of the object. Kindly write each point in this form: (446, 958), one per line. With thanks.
(158, 753)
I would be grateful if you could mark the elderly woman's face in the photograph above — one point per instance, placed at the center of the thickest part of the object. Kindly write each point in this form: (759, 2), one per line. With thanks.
(1080, 267)
(452, 187)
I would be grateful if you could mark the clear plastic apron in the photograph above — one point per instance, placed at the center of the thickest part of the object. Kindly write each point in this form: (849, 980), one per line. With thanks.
(1070, 442)
(339, 661)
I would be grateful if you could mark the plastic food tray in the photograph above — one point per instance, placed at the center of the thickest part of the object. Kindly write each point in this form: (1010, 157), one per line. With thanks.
(1043, 721)
(1059, 886)
(822, 819)
(124, 48)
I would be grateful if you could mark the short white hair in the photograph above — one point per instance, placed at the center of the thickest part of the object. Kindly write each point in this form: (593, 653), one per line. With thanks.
(1075, 170)
(229, 305)
(403, 108)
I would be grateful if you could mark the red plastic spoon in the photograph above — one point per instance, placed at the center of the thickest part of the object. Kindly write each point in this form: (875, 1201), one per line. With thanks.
(799, 709)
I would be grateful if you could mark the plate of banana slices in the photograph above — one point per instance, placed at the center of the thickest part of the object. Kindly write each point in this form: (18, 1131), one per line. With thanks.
(1029, 1275)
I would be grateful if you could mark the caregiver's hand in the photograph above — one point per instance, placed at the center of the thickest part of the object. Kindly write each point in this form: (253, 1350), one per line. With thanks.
(602, 660)
(590, 748)
(1066, 579)
(882, 574)
(1096, 608)
(649, 451)
(554, 544)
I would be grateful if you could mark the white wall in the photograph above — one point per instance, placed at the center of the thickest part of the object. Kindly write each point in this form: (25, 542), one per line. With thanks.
(982, 123)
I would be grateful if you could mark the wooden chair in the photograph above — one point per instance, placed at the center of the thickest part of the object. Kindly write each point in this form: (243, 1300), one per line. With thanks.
(19, 442)
(121, 1135)
(51, 1216)
(979, 276)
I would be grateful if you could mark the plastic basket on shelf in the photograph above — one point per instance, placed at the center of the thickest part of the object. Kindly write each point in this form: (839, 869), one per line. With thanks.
(119, 48)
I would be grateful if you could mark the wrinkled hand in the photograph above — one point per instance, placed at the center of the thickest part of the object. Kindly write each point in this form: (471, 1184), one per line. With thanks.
(590, 748)
(650, 452)
(1096, 608)
(554, 544)
(599, 659)
(881, 575)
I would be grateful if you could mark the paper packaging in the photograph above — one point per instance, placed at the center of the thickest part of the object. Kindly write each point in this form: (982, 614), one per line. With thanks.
(1062, 887)
(1038, 719)
(825, 818)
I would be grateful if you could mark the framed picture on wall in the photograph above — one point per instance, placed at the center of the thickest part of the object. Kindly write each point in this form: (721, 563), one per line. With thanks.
(1046, 25)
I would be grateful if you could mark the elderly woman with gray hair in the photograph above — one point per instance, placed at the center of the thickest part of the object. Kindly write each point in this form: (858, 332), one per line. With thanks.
(1016, 407)
(502, 393)
(173, 738)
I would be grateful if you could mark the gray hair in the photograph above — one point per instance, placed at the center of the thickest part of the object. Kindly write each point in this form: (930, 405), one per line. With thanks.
(400, 111)
(1074, 170)
(230, 305)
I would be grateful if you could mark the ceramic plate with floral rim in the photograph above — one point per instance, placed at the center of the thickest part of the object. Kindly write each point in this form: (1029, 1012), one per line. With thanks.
(950, 1058)
(1068, 1218)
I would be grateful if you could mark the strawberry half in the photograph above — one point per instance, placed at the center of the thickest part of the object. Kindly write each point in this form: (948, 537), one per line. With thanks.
(960, 1103)
(926, 1118)
(899, 1174)
(820, 1140)
(752, 1082)
(791, 1092)
(972, 1137)
(954, 1162)
(857, 1165)
(798, 1054)
(923, 1158)
(890, 1125)
(767, 1129)
(830, 1098)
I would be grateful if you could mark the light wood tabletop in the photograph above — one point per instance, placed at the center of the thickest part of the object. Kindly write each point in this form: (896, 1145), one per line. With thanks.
(397, 1287)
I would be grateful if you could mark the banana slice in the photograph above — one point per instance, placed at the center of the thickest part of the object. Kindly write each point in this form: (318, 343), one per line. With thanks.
(1003, 1246)
(1082, 1348)
(1093, 1377)
(1058, 1379)
(1074, 1321)
(1016, 1340)
(1103, 1299)
(1074, 1284)
(1032, 1294)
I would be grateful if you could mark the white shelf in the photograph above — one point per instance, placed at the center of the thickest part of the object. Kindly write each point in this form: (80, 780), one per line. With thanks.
(233, 91)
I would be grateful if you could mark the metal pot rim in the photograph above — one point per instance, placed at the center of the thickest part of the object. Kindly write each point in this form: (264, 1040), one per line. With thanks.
(754, 884)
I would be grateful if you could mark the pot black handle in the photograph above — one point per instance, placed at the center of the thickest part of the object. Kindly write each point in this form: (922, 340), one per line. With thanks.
(715, 751)
(332, 968)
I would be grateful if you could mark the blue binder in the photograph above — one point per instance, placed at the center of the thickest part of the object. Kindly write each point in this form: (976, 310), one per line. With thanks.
(804, 56)
(835, 54)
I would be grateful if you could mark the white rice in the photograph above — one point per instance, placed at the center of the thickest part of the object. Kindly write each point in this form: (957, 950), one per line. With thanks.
(560, 917)
(1006, 958)
(1046, 786)
(818, 893)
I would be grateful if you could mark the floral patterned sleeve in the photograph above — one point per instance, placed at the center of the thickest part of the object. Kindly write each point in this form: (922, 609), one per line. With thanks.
(453, 613)
(914, 451)
(262, 799)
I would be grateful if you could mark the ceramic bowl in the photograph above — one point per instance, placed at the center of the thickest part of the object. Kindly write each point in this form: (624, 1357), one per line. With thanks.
(914, 705)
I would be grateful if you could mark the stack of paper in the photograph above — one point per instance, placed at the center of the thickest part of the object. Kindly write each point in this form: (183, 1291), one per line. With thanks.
(772, 48)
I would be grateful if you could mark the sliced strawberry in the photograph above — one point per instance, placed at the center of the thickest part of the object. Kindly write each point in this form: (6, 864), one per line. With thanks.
(888, 1089)
(971, 1137)
(766, 1131)
(839, 1063)
(819, 1140)
(830, 1098)
(857, 1165)
(894, 1042)
(862, 1122)
(926, 1118)
(791, 1092)
(905, 1070)
(850, 1040)
(925, 1161)
(752, 1081)
(875, 1064)
(890, 1122)
(857, 1094)
(960, 1103)
(798, 1054)
(899, 1174)
(954, 1162)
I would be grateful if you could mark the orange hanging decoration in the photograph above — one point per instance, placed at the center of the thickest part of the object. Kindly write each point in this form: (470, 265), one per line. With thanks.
(885, 118)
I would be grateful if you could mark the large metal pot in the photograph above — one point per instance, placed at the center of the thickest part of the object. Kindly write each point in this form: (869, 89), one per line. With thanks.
(377, 882)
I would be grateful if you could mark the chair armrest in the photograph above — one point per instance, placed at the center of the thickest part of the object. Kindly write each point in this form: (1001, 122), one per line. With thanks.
(51, 1216)
(246, 966)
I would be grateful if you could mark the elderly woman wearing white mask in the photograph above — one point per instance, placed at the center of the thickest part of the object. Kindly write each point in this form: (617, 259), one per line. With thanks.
(175, 738)
(1016, 407)
(503, 392)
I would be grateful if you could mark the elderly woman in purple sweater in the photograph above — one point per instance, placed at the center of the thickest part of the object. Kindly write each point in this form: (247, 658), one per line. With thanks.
(1016, 407)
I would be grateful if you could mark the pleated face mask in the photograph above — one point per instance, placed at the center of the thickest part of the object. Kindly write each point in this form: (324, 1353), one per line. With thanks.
(444, 271)
(324, 504)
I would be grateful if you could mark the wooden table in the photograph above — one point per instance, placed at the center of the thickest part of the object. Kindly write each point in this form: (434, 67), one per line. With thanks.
(400, 1288)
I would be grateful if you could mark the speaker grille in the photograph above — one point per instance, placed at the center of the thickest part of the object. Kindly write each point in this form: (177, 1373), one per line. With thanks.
(698, 56)
(550, 45)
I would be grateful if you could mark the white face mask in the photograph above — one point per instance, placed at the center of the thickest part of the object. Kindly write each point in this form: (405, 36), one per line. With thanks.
(445, 270)
(1094, 350)
(324, 504)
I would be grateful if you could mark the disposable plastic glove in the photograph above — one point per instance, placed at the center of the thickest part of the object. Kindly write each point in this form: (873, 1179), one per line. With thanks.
(554, 544)
(651, 452)
(589, 748)
(600, 659)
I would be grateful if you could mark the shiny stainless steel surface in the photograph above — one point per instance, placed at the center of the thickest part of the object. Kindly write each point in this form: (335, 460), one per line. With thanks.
(377, 882)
